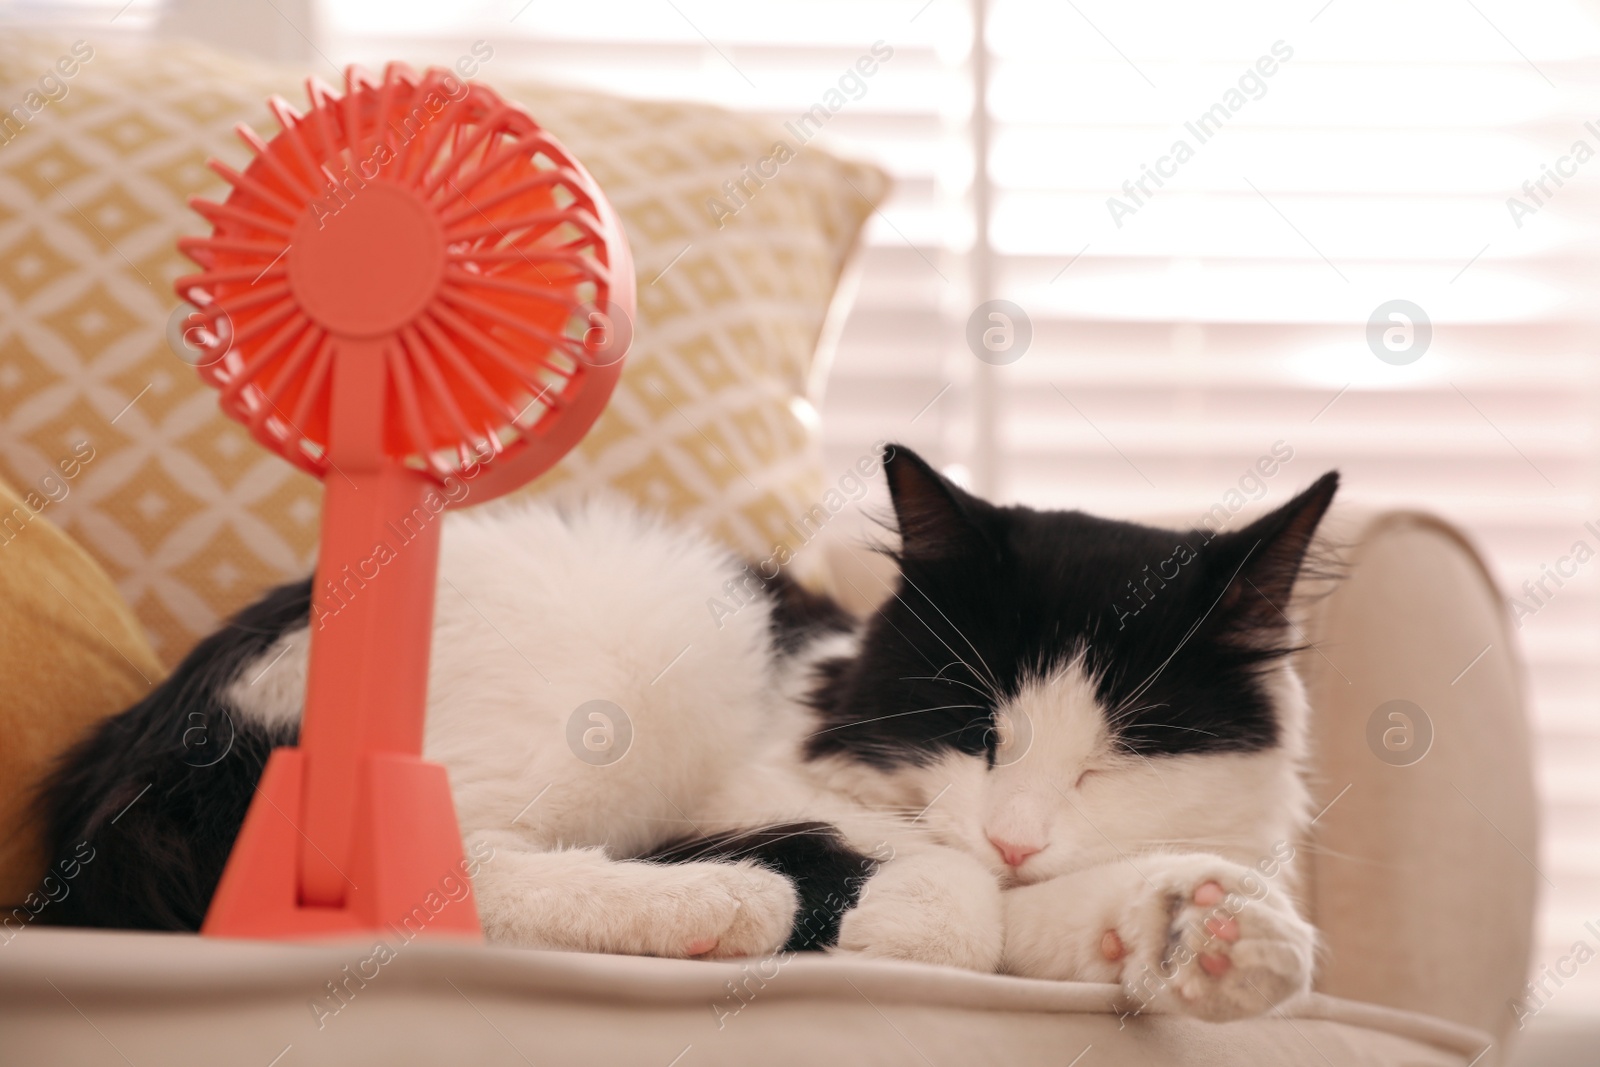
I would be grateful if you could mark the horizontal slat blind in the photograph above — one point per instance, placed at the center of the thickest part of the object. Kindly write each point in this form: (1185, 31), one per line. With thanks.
(1229, 309)
(97, 19)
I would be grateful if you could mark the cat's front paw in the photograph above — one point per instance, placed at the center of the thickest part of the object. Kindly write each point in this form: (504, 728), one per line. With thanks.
(1195, 936)
(718, 911)
(938, 906)
(682, 911)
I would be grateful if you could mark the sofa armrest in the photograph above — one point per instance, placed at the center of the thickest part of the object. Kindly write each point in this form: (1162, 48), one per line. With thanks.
(1422, 873)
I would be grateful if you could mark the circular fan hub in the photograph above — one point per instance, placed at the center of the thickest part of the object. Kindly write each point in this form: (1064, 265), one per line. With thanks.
(369, 264)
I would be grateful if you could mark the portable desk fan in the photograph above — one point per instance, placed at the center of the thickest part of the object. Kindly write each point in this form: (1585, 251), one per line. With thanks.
(411, 287)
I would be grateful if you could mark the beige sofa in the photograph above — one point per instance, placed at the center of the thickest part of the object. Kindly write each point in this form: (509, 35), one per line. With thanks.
(1420, 879)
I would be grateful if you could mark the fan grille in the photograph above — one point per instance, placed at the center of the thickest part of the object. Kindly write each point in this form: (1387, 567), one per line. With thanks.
(499, 342)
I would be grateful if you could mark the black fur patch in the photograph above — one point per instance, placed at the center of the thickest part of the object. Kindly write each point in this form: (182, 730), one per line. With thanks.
(827, 873)
(800, 616)
(159, 791)
(1176, 627)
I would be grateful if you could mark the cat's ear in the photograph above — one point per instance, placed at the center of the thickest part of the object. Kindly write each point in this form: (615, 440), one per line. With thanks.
(937, 518)
(1268, 554)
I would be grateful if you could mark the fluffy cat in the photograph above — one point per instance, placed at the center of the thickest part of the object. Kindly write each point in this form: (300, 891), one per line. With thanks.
(1006, 767)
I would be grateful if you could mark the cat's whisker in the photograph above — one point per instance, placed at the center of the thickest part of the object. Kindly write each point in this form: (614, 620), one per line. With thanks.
(1348, 857)
(1139, 690)
(884, 615)
(991, 676)
(1122, 718)
(1187, 729)
(958, 660)
(993, 680)
(938, 677)
(895, 715)
(712, 844)
(1151, 765)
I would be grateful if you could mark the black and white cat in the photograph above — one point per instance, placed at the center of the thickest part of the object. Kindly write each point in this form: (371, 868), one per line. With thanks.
(1003, 769)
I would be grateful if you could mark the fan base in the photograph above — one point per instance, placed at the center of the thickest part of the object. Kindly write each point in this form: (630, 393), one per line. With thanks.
(406, 875)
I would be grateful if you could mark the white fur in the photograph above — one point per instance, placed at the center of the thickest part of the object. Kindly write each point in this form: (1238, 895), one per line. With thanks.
(539, 612)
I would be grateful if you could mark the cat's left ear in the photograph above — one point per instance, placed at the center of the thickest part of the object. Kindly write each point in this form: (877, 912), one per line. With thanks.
(1270, 551)
(938, 520)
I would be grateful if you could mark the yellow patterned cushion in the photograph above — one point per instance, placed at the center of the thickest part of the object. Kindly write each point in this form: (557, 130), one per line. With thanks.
(70, 654)
(710, 422)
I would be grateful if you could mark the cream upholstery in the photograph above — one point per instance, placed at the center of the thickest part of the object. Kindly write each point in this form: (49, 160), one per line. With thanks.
(1423, 879)
(1420, 958)
(189, 1003)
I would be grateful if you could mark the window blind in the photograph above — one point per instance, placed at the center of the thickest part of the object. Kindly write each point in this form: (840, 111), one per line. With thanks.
(1203, 212)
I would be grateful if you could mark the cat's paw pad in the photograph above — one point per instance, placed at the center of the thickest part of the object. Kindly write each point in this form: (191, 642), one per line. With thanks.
(940, 913)
(717, 911)
(1210, 949)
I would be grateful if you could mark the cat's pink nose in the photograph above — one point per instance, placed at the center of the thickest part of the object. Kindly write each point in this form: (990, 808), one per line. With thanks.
(1014, 855)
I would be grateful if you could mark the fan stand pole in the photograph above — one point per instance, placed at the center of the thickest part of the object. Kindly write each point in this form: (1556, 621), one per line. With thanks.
(352, 830)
